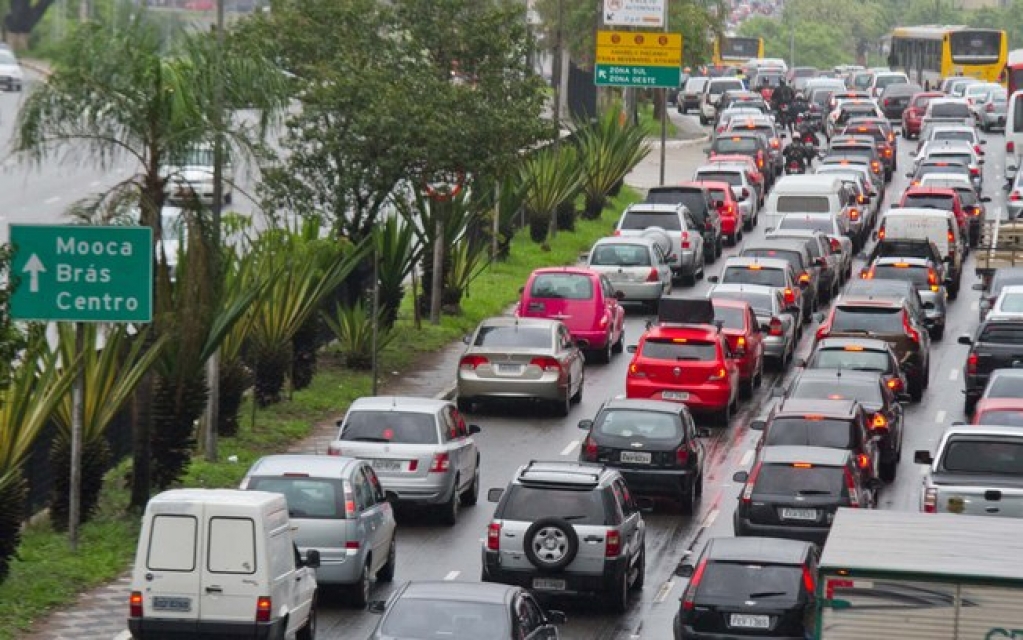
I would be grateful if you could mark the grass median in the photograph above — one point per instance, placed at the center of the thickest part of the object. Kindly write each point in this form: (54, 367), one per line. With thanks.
(46, 575)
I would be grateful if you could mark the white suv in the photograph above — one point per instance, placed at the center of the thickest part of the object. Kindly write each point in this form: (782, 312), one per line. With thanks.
(675, 220)
(712, 92)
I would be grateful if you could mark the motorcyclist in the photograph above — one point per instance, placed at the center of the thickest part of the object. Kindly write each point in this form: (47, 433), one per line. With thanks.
(781, 101)
(798, 152)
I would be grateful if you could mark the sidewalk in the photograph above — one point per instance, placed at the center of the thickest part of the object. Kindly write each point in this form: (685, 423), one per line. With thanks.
(100, 614)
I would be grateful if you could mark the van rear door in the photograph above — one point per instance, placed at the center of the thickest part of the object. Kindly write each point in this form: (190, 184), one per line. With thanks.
(172, 563)
(232, 577)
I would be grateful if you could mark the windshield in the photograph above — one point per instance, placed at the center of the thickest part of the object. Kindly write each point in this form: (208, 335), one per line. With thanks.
(733, 144)
(693, 199)
(856, 360)
(975, 46)
(821, 223)
(1002, 334)
(450, 619)
(803, 204)
(737, 581)
(976, 455)
(195, 158)
(668, 349)
(307, 497)
(862, 81)
(952, 134)
(964, 158)
(950, 110)
(621, 255)
(794, 258)
(529, 504)
(884, 81)
(497, 337)
(787, 479)
(639, 220)
(868, 391)
(917, 275)
(943, 167)
(810, 431)
(1004, 386)
(720, 86)
(627, 423)
(1002, 417)
(883, 320)
(761, 302)
(393, 427)
(734, 178)
(7, 58)
(731, 317)
(821, 96)
(745, 275)
(567, 286)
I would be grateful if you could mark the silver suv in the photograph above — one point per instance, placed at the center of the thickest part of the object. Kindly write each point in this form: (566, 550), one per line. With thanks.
(567, 528)
(686, 257)
(421, 449)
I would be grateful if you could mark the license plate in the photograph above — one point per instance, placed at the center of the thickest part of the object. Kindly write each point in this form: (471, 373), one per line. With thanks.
(509, 368)
(745, 621)
(636, 457)
(799, 514)
(168, 603)
(674, 395)
(548, 584)
(388, 465)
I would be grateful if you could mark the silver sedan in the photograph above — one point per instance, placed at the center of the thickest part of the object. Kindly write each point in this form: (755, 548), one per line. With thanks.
(637, 266)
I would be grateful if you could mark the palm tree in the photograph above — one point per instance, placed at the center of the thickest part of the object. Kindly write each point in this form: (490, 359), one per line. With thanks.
(608, 150)
(111, 371)
(37, 386)
(551, 176)
(138, 93)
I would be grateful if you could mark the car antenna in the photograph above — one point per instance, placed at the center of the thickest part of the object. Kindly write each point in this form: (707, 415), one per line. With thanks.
(719, 324)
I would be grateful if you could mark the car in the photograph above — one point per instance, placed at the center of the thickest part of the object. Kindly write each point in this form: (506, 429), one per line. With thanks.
(848, 109)
(739, 111)
(753, 172)
(861, 155)
(728, 206)
(745, 338)
(955, 151)
(741, 99)
(1007, 412)
(1009, 301)
(420, 448)
(748, 143)
(895, 98)
(827, 260)
(857, 354)
(724, 592)
(655, 445)
(338, 506)
(689, 96)
(687, 256)
(978, 93)
(883, 137)
(939, 166)
(11, 74)
(712, 93)
(799, 76)
(880, 81)
(896, 289)
(956, 85)
(991, 289)
(636, 266)
(696, 198)
(744, 193)
(831, 225)
(797, 254)
(708, 383)
(919, 197)
(599, 550)
(521, 358)
(996, 344)
(1014, 197)
(913, 114)
(855, 145)
(870, 390)
(972, 203)
(991, 113)
(428, 609)
(929, 279)
(888, 319)
(774, 272)
(946, 134)
(837, 424)
(942, 111)
(869, 194)
(189, 177)
(779, 328)
(767, 127)
(793, 492)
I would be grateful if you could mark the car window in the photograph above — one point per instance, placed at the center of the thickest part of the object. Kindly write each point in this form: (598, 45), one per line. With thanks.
(395, 427)
(856, 360)
(761, 302)
(678, 349)
(1004, 386)
(730, 317)
(949, 110)
(1002, 334)
(974, 455)
(668, 220)
(788, 479)
(744, 275)
(868, 391)
(952, 134)
(918, 275)
(811, 431)
(735, 145)
(803, 204)
(567, 286)
(628, 423)
(867, 319)
(795, 258)
(733, 178)
(727, 581)
(529, 504)
(426, 618)
(307, 497)
(1002, 417)
(693, 200)
(621, 255)
(929, 200)
(823, 224)
(942, 156)
(495, 337)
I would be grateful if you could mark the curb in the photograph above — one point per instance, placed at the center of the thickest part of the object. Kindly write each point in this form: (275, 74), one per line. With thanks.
(36, 67)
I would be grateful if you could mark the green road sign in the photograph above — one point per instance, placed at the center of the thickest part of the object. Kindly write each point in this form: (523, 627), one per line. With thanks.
(626, 75)
(82, 274)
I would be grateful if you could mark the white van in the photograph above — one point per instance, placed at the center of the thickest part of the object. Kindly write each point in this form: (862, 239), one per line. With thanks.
(938, 226)
(221, 562)
(817, 193)
(1013, 135)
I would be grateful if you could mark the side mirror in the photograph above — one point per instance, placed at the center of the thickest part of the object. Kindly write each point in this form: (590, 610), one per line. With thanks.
(631, 348)
(713, 279)
(923, 457)
(874, 484)
(985, 198)
(947, 282)
(586, 424)
(619, 295)
(703, 432)
(474, 429)
(685, 570)
(967, 340)
(494, 495)
(740, 476)
(556, 617)
(391, 497)
(312, 559)
(376, 606)
(758, 425)
(873, 235)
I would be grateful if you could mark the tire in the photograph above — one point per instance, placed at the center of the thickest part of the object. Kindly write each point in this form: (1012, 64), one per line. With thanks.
(703, 119)
(578, 397)
(449, 514)
(938, 333)
(472, 495)
(719, 247)
(386, 573)
(308, 630)
(618, 597)
(358, 593)
(688, 498)
(887, 470)
(619, 344)
(641, 576)
(710, 258)
(564, 405)
(699, 485)
(551, 544)
(747, 224)
(725, 415)
(916, 389)
(604, 355)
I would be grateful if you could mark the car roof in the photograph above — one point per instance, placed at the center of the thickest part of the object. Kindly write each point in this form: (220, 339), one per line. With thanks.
(516, 321)
(646, 241)
(641, 404)
(998, 404)
(561, 473)
(414, 404)
(768, 263)
(788, 454)
(578, 271)
(871, 344)
(314, 466)
(458, 591)
(762, 289)
(983, 430)
(880, 301)
(697, 331)
(757, 550)
(843, 408)
(1007, 373)
(646, 207)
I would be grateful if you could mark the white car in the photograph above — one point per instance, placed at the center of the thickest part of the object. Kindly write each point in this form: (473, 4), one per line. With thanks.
(1009, 301)
(954, 132)
(11, 74)
(191, 176)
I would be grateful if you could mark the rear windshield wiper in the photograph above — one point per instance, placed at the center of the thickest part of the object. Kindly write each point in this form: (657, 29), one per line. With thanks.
(813, 492)
(765, 594)
(369, 439)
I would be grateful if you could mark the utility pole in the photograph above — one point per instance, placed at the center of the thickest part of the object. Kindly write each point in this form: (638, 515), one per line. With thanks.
(77, 419)
(556, 72)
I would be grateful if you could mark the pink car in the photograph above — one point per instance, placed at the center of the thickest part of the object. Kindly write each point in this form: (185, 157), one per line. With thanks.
(584, 300)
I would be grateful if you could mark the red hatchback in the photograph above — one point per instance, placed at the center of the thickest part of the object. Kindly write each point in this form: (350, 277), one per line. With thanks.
(584, 300)
(728, 208)
(688, 363)
(746, 340)
(1006, 412)
(914, 113)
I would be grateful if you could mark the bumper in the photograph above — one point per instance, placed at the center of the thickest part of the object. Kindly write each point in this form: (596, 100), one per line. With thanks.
(935, 317)
(744, 527)
(575, 584)
(9, 83)
(702, 398)
(686, 263)
(685, 632)
(658, 482)
(166, 629)
(436, 491)
(911, 127)
(774, 347)
(547, 387)
(709, 111)
(974, 386)
(640, 290)
(994, 120)
(746, 208)
(729, 225)
(592, 339)
(338, 566)
(690, 102)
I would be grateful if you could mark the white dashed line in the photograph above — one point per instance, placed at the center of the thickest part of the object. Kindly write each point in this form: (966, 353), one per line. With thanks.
(570, 448)
(747, 458)
(452, 575)
(940, 417)
(51, 200)
(975, 305)
(953, 374)
(709, 520)
(662, 593)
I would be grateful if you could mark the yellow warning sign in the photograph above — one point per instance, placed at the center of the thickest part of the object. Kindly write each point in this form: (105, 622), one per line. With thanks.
(639, 48)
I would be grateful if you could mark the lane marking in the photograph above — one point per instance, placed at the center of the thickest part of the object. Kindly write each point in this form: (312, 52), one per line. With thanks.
(570, 448)
(709, 520)
(662, 593)
(975, 305)
(747, 458)
(51, 200)
(452, 575)
(940, 416)
(953, 374)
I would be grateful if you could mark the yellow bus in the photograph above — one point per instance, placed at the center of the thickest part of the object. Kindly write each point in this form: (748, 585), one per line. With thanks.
(733, 51)
(930, 53)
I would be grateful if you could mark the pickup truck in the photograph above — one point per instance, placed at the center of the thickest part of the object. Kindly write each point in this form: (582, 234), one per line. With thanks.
(977, 470)
(1001, 245)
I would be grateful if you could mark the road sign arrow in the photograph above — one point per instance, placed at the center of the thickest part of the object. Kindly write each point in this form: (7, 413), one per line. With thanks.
(34, 267)
(602, 74)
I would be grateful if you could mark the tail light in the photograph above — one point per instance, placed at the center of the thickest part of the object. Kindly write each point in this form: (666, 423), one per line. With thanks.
(974, 171)
(913, 334)
(728, 210)
(875, 166)
(879, 423)
(1015, 196)
(682, 456)
(775, 328)
(790, 296)
(863, 461)
(352, 545)
(590, 449)
(604, 320)
(747, 491)
(441, 463)
(635, 371)
(854, 214)
(978, 150)
(689, 601)
(1010, 146)
(685, 239)
(888, 153)
(612, 544)
(930, 500)
(775, 143)
(135, 604)
(653, 276)
(264, 608)
(836, 245)
(971, 364)
(932, 279)
(887, 101)
(808, 582)
(891, 138)
(720, 374)
(471, 362)
(709, 225)
(850, 486)
(862, 199)
(895, 384)
(546, 363)
(494, 536)
(740, 343)
(804, 278)
(824, 330)
(350, 511)
(973, 210)
(760, 159)
(333, 450)
(951, 237)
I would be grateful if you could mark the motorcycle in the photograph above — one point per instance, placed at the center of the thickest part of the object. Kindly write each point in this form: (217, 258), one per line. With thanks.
(795, 167)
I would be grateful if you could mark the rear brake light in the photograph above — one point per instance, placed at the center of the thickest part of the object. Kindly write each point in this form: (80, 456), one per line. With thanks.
(617, 233)
(264, 608)
(932, 279)
(804, 278)
(1010, 146)
(836, 245)
(775, 328)
(135, 604)
(971, 363)
(990, 107)
(685, 239)
(682, 456)
(808, 582)
(441, 463)
(352, 545)
(880, 233)
(720, 374)
(590, 449)
(1015, 195)
(913, 334)
(494, 536)
(349, 501)
(653, 276)
(887, 101)
(930, 500)
(790, 296)
(850, 486)
(333, 450)
(875, 166)
(747, 491)
(974, 171)
(895, 384)
(471, 362)
(823, 330)
(546, 363)
(879, 422)
(854, 214)
(951, 237)
(688, 602)
(612, 544)
(863, 461)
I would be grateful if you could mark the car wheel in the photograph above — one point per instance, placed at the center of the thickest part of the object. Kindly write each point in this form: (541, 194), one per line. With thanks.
(605, 354)
(641, 571)
(709, 257)
(699, 484)
(938, 332)
(563, 405)
(969, 405)
(748, 224)
(308, 630)
(725, 415)
(916, 389)
(618, 598)
(386, 573)
(688, 498)
(358, 594)
(887, 470)
(578, 397)
(719, 248)
(449, 514)
(472, 494)
(551, 544)
(619, 344)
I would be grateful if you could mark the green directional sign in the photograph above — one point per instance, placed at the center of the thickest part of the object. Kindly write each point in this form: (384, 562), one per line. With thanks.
(630, 75)
(75, 273)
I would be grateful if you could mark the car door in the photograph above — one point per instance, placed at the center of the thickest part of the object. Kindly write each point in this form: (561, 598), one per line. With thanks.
(385, 515)
(632, 526)
(451, 444)
(615, 312)
(370, 517)
(464, 445)
(755, 337)
(696, 449)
